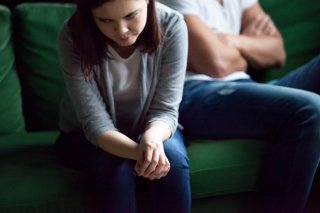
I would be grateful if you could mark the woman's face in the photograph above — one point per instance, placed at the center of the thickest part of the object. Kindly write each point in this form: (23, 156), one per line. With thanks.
(122, 21)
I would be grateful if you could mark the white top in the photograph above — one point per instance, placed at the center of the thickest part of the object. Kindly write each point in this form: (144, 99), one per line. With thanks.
(124, 75)
(224, 18)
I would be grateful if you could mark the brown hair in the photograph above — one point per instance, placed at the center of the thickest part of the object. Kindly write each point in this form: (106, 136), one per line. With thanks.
(91, 43)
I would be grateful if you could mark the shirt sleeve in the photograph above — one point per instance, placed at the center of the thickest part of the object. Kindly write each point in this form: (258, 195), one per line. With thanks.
(85, 96)
(186, 7)
(247, 3)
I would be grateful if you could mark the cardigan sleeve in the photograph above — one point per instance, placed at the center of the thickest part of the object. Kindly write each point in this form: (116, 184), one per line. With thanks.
(168, 93)
(85, 97)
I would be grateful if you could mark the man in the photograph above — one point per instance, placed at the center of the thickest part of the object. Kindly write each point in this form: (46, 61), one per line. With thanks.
(221, 101)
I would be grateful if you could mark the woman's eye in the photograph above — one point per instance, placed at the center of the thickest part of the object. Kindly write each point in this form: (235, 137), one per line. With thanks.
(105, 21)
(132, 15)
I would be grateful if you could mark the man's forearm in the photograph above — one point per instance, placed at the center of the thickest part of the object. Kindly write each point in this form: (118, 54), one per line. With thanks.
(260, 41)
(207, 54)
(260, 52)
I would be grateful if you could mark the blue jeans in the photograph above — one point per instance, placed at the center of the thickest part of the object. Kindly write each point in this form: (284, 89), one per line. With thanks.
(119, 188)
(288, 117)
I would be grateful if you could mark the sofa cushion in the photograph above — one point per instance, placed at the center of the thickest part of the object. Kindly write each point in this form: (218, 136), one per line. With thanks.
(32, 179)
(11, 117)
(36, 29)
(298, 22)
(225, 167)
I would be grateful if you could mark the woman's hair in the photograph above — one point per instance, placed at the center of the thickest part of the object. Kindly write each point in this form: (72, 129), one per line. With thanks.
(91, 43)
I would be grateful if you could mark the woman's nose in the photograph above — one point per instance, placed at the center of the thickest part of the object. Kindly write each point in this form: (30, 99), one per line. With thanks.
(122, 28)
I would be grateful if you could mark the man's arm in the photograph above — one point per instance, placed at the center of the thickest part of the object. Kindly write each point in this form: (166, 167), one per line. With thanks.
(260, 42)
(208, 54)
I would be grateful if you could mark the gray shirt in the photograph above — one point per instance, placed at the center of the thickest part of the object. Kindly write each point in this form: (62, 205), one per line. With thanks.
(88, 108)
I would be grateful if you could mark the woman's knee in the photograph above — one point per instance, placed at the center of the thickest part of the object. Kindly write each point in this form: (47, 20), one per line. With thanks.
(110, 170)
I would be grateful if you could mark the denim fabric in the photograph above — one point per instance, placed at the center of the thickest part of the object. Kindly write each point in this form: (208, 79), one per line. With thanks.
(287, 117)
(118, 187)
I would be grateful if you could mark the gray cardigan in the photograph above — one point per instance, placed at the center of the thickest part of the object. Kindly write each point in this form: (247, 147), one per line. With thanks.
(89, 106)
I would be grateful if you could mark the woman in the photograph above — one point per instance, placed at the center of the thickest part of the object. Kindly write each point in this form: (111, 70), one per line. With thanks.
(123, 63)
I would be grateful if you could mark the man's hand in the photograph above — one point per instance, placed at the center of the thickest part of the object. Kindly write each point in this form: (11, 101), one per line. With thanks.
(208, 54)
(260, 42)
(260, 25)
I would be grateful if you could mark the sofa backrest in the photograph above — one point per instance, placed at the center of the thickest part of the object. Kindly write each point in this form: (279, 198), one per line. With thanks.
(36, 29)
(299, 24)
(11, 117)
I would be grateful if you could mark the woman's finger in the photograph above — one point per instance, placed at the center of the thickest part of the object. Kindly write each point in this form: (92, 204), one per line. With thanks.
(153, 164)
(145, 160)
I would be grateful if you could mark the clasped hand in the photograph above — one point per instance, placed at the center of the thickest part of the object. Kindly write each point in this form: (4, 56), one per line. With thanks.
(152, 162)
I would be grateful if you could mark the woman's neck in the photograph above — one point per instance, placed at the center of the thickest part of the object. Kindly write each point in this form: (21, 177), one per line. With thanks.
(124, 52)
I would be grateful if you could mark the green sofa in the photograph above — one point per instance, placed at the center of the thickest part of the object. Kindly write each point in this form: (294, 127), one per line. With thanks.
(224, 174)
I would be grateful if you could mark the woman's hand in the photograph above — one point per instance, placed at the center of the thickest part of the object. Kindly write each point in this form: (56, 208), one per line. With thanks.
(152, 162)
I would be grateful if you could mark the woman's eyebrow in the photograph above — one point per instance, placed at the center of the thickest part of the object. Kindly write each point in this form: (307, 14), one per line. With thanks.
(128, 15)
(133, 12)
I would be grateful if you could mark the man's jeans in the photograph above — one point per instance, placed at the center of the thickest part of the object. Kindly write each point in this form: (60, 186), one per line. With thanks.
(288, 117)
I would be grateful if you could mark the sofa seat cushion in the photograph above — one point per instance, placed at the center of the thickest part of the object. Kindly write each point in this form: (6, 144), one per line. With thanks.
(225, 167)
(11, 117)
(32, 179)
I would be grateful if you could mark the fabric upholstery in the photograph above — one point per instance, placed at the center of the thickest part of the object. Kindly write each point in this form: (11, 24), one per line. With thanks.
(32, 179)
(298, 22)
(224, 167)
(36, 29)
(11, 117)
